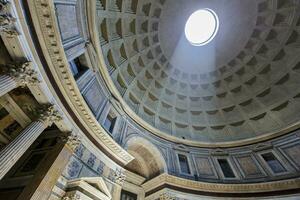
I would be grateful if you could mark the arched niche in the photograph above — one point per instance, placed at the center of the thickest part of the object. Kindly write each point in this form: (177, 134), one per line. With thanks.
(148, 160)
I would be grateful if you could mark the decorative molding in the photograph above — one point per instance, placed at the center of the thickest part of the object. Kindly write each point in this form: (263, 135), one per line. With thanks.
(262, 146)
(165, 179)
(219, 152)
(88, 188)
(44, 19)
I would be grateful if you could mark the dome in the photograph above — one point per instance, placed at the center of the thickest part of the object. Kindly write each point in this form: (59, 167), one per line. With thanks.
(241, 85)
(136, 99)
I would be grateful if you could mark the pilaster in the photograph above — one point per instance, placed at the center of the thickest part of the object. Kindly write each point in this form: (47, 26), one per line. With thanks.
(58, 161)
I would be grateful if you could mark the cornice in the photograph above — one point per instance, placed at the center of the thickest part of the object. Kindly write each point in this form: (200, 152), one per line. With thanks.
(45, 23)
(165, 179)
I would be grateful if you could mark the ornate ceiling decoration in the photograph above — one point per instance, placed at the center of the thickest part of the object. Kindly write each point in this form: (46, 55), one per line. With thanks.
(242, 85)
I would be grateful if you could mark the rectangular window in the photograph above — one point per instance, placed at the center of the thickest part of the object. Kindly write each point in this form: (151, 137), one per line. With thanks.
(78, 66)
(125, 195)
(184, 164)
(273, 163)
(226, 168)
(109, 123)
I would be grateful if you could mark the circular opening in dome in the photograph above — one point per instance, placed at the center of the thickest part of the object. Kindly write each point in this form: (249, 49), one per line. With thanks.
(201, 27)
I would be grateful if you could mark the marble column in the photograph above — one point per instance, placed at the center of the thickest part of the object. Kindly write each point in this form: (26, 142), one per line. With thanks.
(14, 150)
(17, 76)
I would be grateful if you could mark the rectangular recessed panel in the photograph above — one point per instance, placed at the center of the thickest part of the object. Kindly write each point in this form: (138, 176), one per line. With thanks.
(249, 167)
(67, 21)
(204, 167)
(93, 97)
(293, 152)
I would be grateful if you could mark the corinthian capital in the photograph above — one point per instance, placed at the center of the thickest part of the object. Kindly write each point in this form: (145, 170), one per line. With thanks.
(7, 25)
(23, 74)
(71, 140)
(6, 20)
(48, 114)
(4, 6)
(119, 177)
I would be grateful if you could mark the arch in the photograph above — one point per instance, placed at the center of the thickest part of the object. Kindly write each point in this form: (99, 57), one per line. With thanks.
(148, 159)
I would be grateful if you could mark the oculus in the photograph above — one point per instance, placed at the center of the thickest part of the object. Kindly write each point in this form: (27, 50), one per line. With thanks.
(201, 27)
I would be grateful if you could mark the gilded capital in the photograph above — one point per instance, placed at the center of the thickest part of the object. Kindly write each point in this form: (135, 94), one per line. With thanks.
(23, 74)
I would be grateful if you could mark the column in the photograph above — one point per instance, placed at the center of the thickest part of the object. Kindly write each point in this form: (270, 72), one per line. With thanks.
(13, 151)
(17, 76)
(7, 83)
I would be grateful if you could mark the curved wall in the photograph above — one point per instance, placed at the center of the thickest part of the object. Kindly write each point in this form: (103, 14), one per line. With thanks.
(66, 37)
